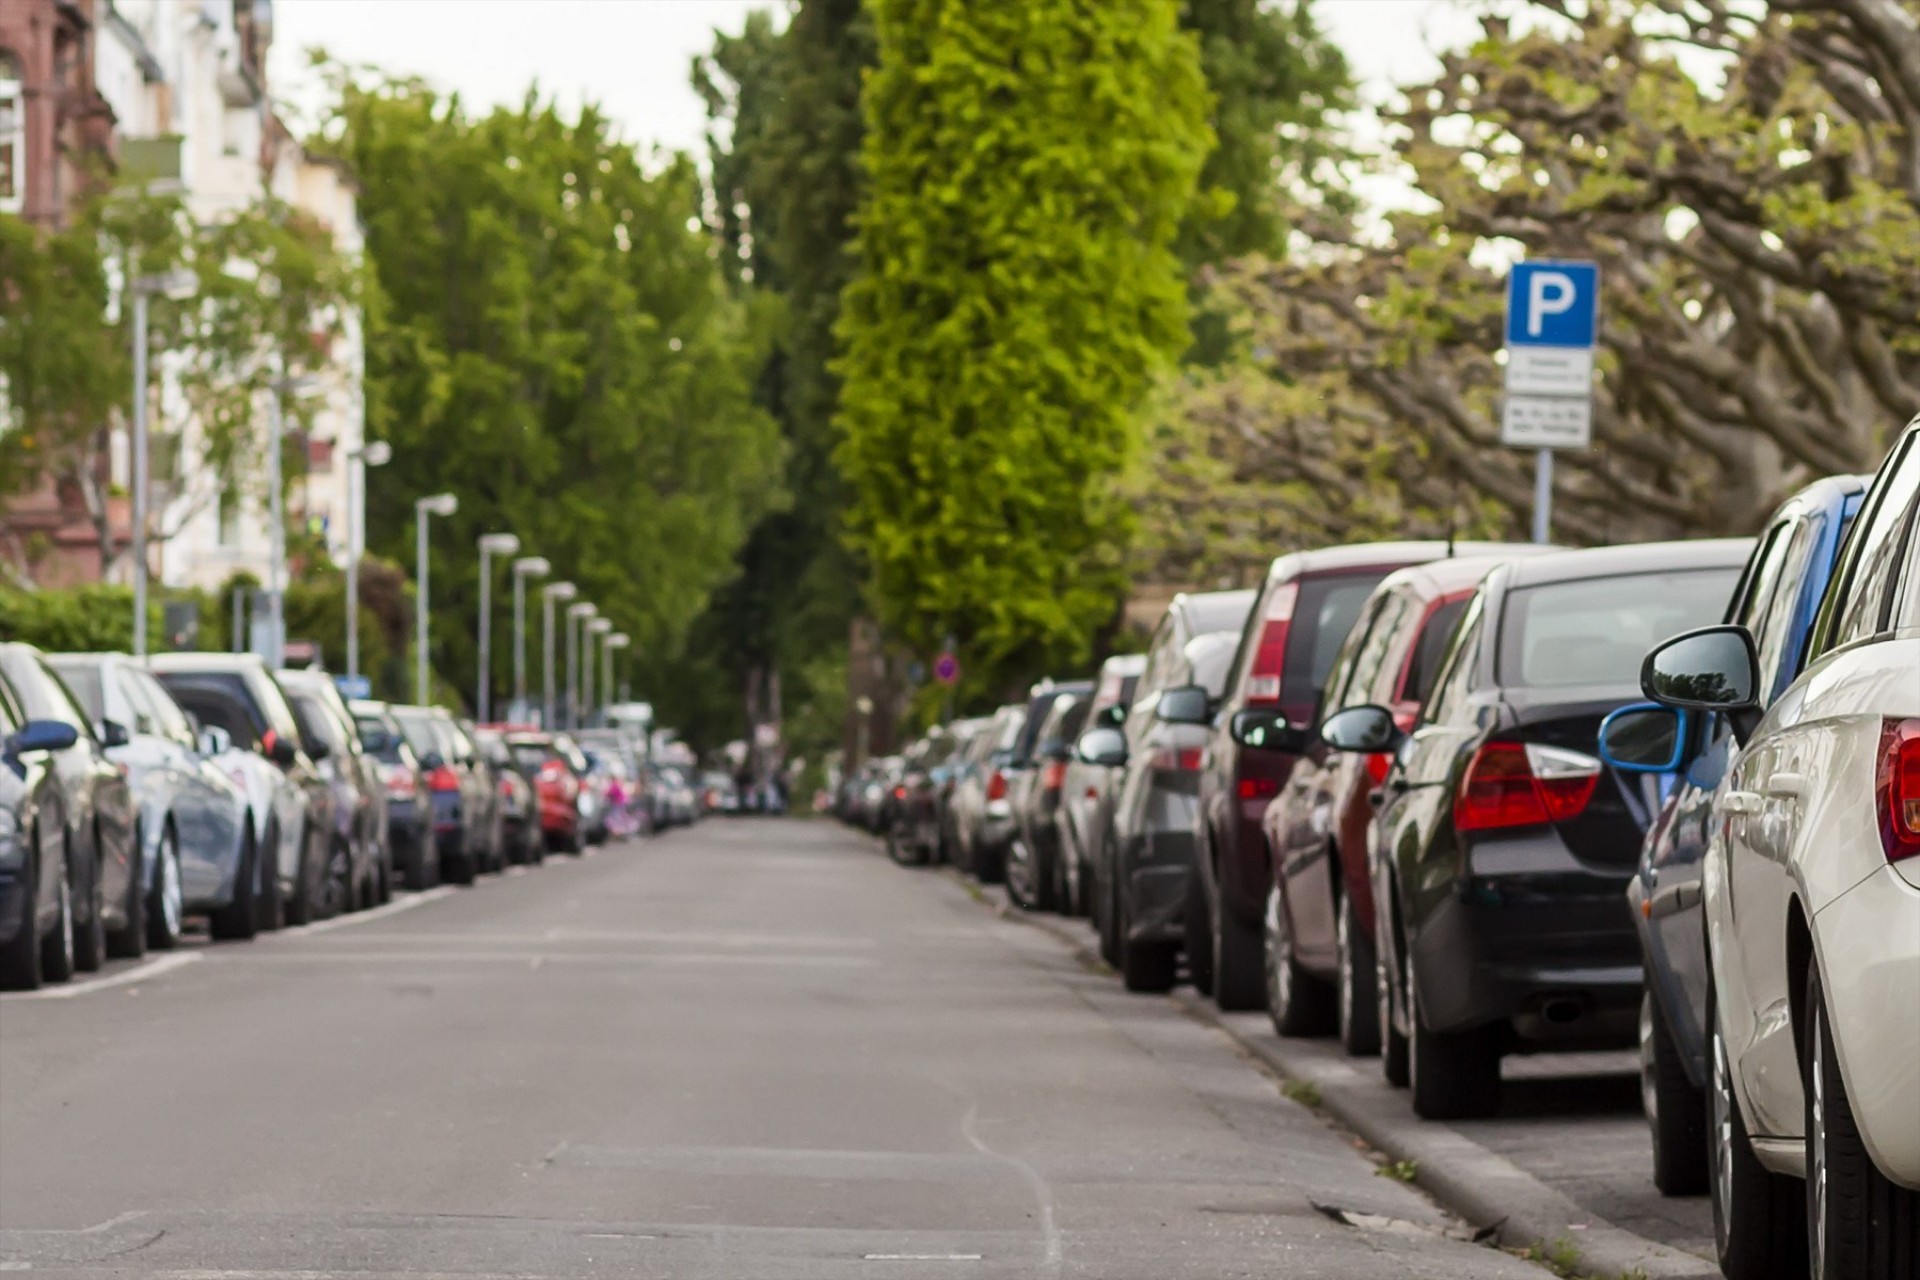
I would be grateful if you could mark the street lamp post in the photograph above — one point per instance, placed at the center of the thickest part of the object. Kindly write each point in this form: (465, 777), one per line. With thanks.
(618, 640)
(523, 568)
(548, 594)
(277, 518)
(376, 454)
(439, 504)
(594, 627)
(577, 614)
(174, 284)
(491, 544)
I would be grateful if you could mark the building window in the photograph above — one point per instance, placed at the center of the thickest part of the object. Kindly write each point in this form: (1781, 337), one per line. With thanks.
(227, 521)
(13, 135)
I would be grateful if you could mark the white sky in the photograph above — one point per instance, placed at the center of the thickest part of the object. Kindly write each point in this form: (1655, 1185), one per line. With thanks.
(633, 56)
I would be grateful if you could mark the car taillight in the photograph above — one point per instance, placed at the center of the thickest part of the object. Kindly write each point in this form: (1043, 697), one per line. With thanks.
(1377, 767)
(443, 779)
(1515, 784)
(1897, 787)
(506, 787)
(1259, 788)
(997, 786)
(1176, 759)
(400, 783)
(1053, 775)
(899, 793)
(1263, 680)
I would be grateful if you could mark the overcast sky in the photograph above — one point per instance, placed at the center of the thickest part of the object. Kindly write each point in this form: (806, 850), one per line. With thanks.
(632, 56)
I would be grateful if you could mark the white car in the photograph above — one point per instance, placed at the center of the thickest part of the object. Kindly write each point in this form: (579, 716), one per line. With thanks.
(1812, 892)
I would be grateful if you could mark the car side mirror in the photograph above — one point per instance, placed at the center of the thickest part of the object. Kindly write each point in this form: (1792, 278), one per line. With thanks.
(1115, 716)
(431, 761)
(1711, 669)
(1369, 730)
(1644, 738)
(41, 735)
(214, 741)
(114, 734)
(1185, 704)
(1268, 731)
(1103, 746)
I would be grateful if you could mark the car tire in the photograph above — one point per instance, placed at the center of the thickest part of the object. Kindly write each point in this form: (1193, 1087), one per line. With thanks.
(166, 908)
(457, 866)
(1861, 1225)
(23, 960)
(1299, 1003)
(415, 876)
(269, 908)
(239, 920)
(1394, 1049)
(342, 890)
(1239, 976)
(309, 886)
(1759, 1218)
(129, 941)
(90, 934)
(1198, 918)
(1356, 1005)
(1107, 918)
(59, 956)
(1676, 1111)
(901, 852)
(1453, 1075)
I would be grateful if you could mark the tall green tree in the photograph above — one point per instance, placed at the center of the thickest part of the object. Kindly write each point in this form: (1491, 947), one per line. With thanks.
(1029, 165)
(553, 340)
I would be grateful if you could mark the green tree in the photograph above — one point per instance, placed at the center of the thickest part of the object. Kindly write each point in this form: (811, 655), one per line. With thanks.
(552, 339)
(1029, 164)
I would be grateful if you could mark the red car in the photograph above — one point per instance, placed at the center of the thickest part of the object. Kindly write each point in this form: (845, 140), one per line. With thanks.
(554, 781)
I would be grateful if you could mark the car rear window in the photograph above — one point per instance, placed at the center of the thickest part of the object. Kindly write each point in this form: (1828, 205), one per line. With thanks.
(1325, 612)
(419, 730)
(1219, 611)
(1597, 630)
(219, 699)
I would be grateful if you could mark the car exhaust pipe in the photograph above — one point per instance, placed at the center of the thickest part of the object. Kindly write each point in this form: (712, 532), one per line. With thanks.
(1560, 1012)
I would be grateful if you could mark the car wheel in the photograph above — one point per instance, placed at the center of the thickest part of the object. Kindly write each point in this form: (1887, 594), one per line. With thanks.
(902, 853)
(1107, 917)
(1759, 1218)
(309, 885)
(1023, 875)
(129, 941)
(89, 917)
(1239, 975)
(1676, 1111)
(1147, 967)
(269, 908)
(59, 959)
(343, 891)
(1860, 1224)
(415, 876)
(1357, 1006)
(240, 918)
(457, 866)
(1386, 964)
(21, 967)
(1198, 919)
(1454, 1075)
(167, 907)
(1299, 1003)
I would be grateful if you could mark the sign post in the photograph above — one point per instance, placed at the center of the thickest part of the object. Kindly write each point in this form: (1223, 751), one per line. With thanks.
(1553, 321)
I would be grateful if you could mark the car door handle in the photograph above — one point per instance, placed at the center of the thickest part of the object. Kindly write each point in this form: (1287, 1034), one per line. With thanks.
(1789, 785)
(1740, 802)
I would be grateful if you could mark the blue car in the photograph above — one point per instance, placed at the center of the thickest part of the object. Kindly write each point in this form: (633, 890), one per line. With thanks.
(1776, 598)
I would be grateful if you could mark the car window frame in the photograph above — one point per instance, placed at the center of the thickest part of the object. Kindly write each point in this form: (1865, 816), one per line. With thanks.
(1829, 635)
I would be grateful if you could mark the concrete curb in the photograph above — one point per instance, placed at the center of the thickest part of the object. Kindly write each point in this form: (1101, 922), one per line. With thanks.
(1483, 1187)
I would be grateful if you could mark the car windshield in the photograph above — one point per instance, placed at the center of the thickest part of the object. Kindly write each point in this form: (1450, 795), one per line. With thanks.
(1597, 631)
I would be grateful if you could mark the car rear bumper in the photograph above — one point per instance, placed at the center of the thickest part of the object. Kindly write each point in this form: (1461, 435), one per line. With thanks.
(1868, 940)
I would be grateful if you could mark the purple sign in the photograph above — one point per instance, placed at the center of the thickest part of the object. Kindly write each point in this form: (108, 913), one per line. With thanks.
(946, 668)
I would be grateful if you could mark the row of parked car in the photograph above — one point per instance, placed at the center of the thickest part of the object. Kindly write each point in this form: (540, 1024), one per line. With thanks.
(134, 795)
(1454, 802)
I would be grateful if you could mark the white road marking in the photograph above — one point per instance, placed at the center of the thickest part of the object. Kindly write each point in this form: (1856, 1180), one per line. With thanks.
(394, 908)
(921, 1257)
(150, 968)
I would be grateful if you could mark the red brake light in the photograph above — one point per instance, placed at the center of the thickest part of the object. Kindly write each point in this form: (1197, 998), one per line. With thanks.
(1259, 788)
(1514, 784)
(1897, 787)
(1263, 679)
(443, 779)
(1053, 775)
(997, 786)
(1377, 767)
(899, 793)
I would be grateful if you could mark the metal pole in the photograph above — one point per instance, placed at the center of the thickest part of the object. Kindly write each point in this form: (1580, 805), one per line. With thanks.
(277, 533)
(519, 643)
(356, 477)
(481, 699)
(606, 681)
(139, 473)
(1542, 495)
(546, 654)
(420, 611)
(586, 675)
(573, 667)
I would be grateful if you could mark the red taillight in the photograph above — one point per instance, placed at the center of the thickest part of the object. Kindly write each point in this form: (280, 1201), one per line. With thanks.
(1263, 679)
(443, 779)
(899, 793)
(997, 786)
(400, 783)
(1897, 787)
(1514, 784)
(1053, 775)
(506, 787)
(1176, 760)
(1377, 767)
(1259, 788)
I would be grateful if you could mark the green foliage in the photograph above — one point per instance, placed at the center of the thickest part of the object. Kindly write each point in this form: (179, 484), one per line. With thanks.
(74, 620)
(1029, 164)
(552, 340)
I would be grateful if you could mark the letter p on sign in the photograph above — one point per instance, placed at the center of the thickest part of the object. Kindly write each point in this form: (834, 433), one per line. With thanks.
(1548, 294)
(1552, 304)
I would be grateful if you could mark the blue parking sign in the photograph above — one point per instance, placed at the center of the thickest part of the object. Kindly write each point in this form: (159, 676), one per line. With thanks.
(1553, 304)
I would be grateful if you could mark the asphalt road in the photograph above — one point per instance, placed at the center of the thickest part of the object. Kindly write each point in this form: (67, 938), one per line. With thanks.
(752, 1049)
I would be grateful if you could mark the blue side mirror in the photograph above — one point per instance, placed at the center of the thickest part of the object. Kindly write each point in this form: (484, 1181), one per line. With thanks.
(1644, 737)
(41, 735)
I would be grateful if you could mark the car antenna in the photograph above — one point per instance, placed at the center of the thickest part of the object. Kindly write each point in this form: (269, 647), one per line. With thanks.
(1453, 507)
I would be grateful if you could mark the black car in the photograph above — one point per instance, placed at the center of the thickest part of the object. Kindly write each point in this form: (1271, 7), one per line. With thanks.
(362, 857)
(1502, 849)
(1036, 873)
(460, 792)
(37, 872)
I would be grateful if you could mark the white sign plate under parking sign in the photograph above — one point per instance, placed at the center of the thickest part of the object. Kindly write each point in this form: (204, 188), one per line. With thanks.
(1547, 422)
(1549, 371)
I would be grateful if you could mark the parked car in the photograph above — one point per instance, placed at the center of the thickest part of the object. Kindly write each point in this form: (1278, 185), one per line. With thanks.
(361, 858)
(1812, 898)
(196, 834)
(913, 834)
(1086, 793)
(982, 818)
(1143, 871)
(521, 835)
(248, 731)
(460, 791)
(556, 788)
(1502, 848)
(37, 871)
(1776, 598)
(1036, 880)
(1306, 607)
(107, 888)
(944, 776)
(414, 851)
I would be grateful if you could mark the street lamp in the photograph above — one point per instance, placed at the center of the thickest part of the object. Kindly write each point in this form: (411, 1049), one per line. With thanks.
(439, 504)
(491, 544)
(618, 640)
(177, 284)
(576, 615)
(523, 568)
(298, 384)
(548, 594)
(595, 627)
(377, 454)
